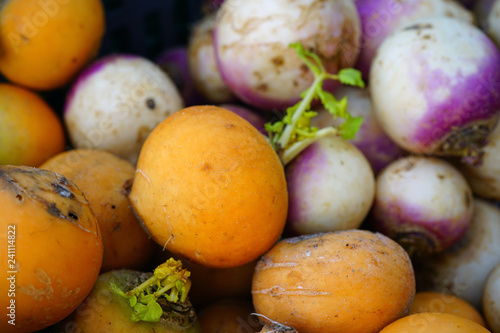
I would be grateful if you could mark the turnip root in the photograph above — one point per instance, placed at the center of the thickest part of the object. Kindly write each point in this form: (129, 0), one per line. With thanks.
(379, 18)
(374, 143)
(203, 64)
(463, 268)
(434, 87)
(257, 120)
(424, 203)
(347, 281)
(331, 187)
(484, 179)
(116, 102)
(251, 41)
(491, 297)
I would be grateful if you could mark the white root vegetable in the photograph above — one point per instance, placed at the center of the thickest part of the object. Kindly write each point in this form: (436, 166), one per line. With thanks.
(434, 87)
(116, 102)
(331, 187)
(491, 300)
(462, 269)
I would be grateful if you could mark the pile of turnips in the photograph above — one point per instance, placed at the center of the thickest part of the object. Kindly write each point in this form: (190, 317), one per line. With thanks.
(296, 166)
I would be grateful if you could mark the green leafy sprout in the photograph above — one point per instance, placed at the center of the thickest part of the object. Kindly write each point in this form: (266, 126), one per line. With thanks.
(169, 280)
(294, 132)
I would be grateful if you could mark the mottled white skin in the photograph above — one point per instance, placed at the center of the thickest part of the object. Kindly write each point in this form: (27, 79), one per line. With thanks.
(462, 270)
(484, 179)
(379, 18)
(488, 16)
(432, 77)
(252, 41)
(117, 102)
(374, 143)
(491, 300)
(203, 66)
(331, 187)
(422, 199)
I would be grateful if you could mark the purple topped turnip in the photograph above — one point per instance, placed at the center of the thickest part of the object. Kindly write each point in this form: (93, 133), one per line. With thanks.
(331, 187)
(116, 102)
(463, 269)
(203, 64)
(423, 203)
(251, 116)
(252, 41)
(379, 18)
(434, 87)
(373, 142)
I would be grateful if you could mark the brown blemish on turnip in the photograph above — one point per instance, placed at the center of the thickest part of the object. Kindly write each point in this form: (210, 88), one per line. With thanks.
(263, 87)
(150, 103)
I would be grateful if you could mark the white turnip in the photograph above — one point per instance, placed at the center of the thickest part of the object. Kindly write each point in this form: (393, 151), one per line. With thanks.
(487, 13)
(116, 102)
(423, 203)
(434, 87)
(252, 41)
(491, 297)
(463, 268)
(379, 18)
(203, 64)
(331, 187)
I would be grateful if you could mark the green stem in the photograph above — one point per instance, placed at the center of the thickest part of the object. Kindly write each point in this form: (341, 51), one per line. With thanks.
(306, 101)
(291, 152)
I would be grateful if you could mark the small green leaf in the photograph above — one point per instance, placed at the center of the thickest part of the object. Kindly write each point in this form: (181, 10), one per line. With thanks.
(117, 290)
(351, 77)
(133, 300)
(350, 127)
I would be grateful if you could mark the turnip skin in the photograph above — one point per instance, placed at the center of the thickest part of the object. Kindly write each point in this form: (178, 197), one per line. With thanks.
(116, 102)
(248, 114)
(424, 203)
(379, 18)
(202, 63)
(463, 268)
(434, 87)
(331, 187)
(378, 148)
(252, 41)
(484, 179)
(491, 295)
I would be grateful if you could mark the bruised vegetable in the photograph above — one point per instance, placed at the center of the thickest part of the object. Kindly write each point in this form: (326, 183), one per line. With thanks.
(105, 179)
(52, 248)
(347, 281)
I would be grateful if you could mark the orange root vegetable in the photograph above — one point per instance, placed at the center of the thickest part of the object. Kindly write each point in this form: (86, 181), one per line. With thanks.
(133, 301)
(210, 187)
(52, 248)
(105, 180)
(46, 43)
(230, 315)
(434, 322)
(30, 131)
(432, 301)
(347, 281)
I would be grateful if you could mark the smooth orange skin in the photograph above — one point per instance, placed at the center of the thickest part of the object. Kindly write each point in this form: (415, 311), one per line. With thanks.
(434, 322)
(30, 131)
(56, 261)
(432, 301)
(209, 187)
(229, 316)
(105, 179)
(44, 47)
(351, 281)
